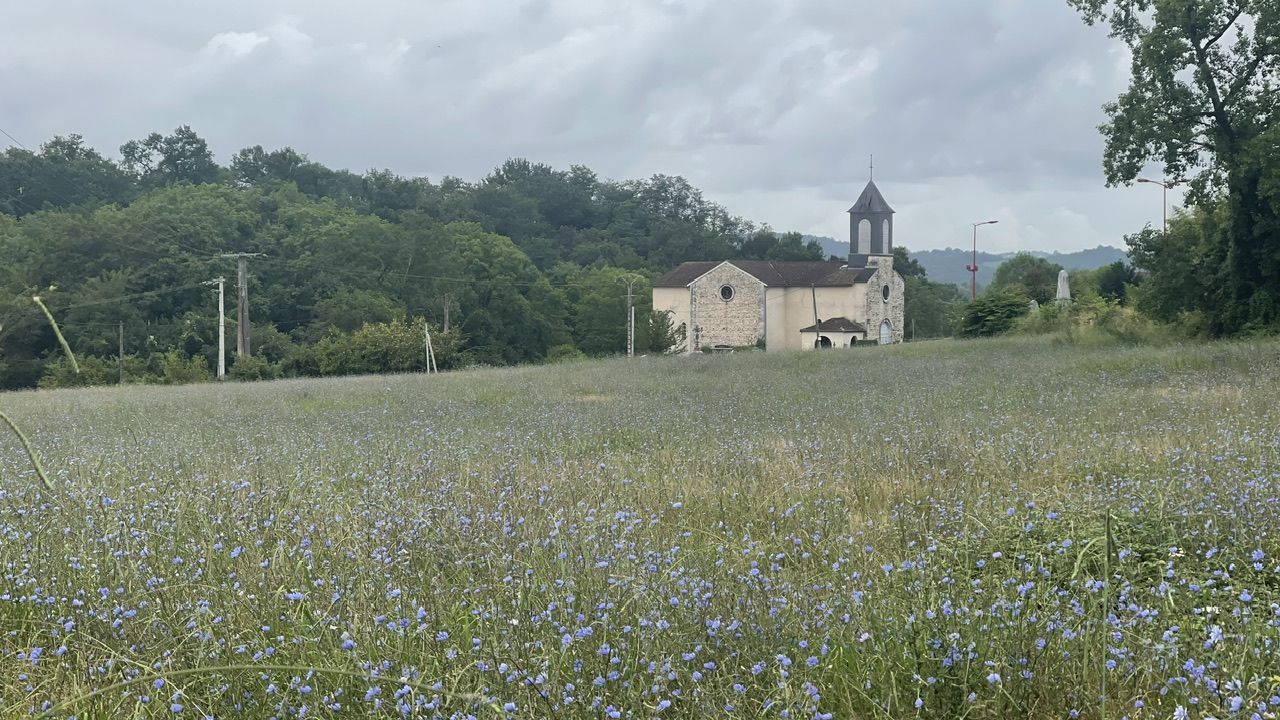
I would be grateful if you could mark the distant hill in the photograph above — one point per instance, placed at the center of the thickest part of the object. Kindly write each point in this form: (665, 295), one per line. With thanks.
(948, 265)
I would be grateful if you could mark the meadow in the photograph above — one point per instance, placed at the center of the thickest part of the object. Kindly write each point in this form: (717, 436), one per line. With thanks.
(983, 529)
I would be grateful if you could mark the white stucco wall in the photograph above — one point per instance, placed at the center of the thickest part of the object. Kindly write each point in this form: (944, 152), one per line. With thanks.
(676, 302)
(792, 308)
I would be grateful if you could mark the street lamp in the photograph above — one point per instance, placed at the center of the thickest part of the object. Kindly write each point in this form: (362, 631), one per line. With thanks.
(1165, 192)
(973, 268)
(631, 280)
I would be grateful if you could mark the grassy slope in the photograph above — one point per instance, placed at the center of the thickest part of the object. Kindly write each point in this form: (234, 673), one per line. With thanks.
(849, 533)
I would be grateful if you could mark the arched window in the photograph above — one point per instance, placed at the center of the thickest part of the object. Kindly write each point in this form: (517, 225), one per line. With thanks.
(886, 333)
(884, 237)
(864, 236)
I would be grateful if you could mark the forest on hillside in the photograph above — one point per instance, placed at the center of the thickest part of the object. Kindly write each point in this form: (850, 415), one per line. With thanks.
(527, 264)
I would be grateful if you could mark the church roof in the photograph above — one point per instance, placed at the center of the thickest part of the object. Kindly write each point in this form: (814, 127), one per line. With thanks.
(836, 325)
(870, 201)
(775, 273)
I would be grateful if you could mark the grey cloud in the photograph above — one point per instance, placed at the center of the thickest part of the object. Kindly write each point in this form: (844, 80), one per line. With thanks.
(771, 106)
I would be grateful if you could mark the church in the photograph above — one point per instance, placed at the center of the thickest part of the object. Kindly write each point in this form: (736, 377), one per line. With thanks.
(781, 305)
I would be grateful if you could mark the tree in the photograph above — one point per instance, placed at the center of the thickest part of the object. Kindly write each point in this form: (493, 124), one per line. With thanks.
(1114, 280)
(792, 246)
(510, 313)
(64, 174)
(348, 310)
(182, 156)
(1178, 275)
(905, 265)
(1036, 277)
(929, 307)
(1202, 101)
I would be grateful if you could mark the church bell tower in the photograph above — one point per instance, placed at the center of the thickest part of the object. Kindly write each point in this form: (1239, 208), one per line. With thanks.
(871, 223)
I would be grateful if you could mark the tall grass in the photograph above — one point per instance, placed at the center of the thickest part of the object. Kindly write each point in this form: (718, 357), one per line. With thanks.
(13, 426)
(989, 529)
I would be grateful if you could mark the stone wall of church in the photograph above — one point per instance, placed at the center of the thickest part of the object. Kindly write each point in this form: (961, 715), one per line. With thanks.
(737, 322)
(878, 309)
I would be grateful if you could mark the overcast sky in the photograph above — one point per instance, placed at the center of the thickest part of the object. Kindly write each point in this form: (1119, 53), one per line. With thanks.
(974, 109)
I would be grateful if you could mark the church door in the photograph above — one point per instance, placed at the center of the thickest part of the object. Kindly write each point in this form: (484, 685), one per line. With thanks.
(886, 333)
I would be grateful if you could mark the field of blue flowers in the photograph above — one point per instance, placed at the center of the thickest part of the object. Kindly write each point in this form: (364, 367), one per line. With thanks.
(989, 529)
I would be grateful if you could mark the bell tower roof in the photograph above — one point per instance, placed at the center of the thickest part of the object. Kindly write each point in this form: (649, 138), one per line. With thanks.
(871, 202)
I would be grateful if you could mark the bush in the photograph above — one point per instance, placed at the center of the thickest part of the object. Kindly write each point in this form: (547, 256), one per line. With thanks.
(564, 353)
(992, 313)
(253, 368)
(94, 370)
(396, 346)
(1096, 321)
(179, 370)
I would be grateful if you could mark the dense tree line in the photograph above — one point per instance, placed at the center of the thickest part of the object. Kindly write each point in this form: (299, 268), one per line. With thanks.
(528, 263)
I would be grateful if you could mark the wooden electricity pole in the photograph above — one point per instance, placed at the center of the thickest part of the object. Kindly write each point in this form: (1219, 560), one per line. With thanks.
(242, 305)
(817, 331)
(431, 353)
(120, 337)
(448, 300)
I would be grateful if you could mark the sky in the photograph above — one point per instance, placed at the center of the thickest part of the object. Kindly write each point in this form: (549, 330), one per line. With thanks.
(973, 109)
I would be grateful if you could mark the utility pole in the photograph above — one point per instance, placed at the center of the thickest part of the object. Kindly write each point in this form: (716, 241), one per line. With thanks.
(817, 331)
(631, 316)
(448, 300)
(222, 326)
(431, 353)
(120, 337)
(242, 297)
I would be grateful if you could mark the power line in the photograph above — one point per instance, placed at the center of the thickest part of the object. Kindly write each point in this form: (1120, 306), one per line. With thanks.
(16, 140)
(121, 298)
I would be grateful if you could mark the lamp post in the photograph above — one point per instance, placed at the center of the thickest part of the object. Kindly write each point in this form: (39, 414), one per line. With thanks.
(973, 268)
(631, 280)
(1164, 214)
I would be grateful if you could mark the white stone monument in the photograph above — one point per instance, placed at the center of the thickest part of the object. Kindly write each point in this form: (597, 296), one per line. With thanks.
(1064, 288)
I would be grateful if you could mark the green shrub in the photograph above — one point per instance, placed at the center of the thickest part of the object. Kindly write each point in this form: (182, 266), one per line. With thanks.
(396, 346)
(992, 313)
(94, 370)
(179, 370)
(253, 367)
(564, 353)
(1096, 321)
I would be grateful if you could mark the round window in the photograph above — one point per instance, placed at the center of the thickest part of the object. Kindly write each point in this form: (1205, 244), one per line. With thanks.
(885, 292)
(726, 293)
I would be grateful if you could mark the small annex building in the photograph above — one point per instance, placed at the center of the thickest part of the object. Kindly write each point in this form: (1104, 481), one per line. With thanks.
(789, 305)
